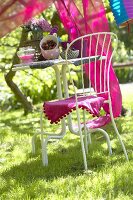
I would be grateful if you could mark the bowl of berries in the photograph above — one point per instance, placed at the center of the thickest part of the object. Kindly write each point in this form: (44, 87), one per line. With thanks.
(49, 46)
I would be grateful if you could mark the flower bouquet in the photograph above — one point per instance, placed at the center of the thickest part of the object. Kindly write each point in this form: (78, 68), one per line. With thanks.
(36, 29)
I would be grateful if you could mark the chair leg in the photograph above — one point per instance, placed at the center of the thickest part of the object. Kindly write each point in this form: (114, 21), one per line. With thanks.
(89, 138)
(83, 149)
(86, 140)
(44, 143)
(120, 140)
(33, 142)
(44, 151)
(34, 136)
(107, 139)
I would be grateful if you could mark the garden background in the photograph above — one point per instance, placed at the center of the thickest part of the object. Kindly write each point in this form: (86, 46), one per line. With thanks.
(22, 174)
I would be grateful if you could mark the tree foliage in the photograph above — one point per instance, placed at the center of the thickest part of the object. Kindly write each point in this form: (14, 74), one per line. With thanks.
(39, 85)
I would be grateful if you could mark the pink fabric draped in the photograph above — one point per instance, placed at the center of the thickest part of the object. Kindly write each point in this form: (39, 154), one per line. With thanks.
(56, 110)
(15, 12)
(91, 19)
(96, 123)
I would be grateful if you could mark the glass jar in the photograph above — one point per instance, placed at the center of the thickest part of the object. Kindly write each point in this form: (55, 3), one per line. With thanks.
(26, 54)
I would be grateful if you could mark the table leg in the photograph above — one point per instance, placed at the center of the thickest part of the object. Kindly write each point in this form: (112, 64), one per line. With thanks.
(59, 93)
(45, 140)
(66, 94)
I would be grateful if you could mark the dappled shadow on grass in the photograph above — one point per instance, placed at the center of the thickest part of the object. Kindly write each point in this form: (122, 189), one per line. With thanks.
(60, 164)
(63, 162)
(26, 125)
(66, 163)
(25, 128)
(19, 124)
(125, 128)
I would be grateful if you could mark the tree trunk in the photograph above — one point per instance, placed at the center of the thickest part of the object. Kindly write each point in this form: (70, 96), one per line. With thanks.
(28, 107)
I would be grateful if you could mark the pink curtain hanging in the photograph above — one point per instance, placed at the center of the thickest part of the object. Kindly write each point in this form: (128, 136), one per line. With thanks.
(88, 16)
(16, 12)
(90, 19)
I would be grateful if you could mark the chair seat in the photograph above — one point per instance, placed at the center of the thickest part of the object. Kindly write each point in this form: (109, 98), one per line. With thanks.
(56, 110)
(99, 122)
(95, 123)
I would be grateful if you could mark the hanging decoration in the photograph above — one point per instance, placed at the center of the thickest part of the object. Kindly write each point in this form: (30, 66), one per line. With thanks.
(14, 13)
(122, 11)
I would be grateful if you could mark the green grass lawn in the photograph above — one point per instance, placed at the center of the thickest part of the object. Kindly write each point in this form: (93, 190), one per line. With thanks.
(22, 175)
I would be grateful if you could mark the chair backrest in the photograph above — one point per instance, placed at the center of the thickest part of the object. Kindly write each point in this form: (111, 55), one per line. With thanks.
(101, 47)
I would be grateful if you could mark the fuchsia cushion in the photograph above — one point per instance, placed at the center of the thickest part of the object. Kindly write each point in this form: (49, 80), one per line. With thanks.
(56, 110)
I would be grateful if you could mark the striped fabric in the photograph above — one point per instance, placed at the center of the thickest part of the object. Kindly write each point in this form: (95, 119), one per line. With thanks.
(122, 11)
